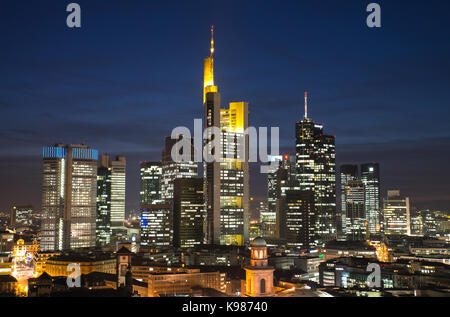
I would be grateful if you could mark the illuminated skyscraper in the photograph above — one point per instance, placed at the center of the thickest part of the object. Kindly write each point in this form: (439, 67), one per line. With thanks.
(278, 182)
(111, 177)
(269, 221)
(315, 158)
(226, 182)
(69, 192)
(299, 215)
(150, 175)
(370, 176)
(188, 212)
(347, 173)
(172, 170)
(355, 210)
(156, 226)
(397, 216)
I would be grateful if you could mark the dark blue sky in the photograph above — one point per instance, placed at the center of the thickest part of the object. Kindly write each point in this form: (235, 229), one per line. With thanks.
(133, 72)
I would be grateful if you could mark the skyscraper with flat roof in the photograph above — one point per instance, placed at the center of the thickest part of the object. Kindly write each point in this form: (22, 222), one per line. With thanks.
(111, 176)
(69, 192)
(347, 173)
(173, 169)
(188, 212)
(150, 177)
(370, 176)
(355, 210)
(397, 216)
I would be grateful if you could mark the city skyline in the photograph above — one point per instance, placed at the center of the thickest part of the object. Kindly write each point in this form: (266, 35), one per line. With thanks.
(115, 114)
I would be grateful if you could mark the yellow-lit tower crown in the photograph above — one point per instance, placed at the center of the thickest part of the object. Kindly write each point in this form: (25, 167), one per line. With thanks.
(208, 78)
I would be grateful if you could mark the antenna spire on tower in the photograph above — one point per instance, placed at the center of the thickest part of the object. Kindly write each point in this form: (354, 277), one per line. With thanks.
(212, 40)
(306, 105)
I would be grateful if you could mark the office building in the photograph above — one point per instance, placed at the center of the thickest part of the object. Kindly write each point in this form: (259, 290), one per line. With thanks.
(347, 173)
(397, 217)
(298, 217)
(355, 210)
(156, 226)
(226, 180)
(69, 194)
(370, 176)
(111, 176)
(173, 169)
(315, 160)
(151, 177)
(188, 212)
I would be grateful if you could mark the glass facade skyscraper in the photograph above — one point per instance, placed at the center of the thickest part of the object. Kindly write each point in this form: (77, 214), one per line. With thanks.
(226, 179)
(347, 173)
(151, 177)
(111, 176)
(315, 160)
(370, 176)
(188, 212)
(69, 192)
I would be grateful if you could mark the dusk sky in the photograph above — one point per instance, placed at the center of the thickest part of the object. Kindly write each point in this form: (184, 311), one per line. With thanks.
(134, 71)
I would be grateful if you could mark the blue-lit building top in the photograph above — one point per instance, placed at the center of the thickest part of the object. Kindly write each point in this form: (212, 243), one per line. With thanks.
(79, 152)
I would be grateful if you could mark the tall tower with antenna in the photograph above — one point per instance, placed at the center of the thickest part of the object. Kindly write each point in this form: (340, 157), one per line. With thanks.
(226, 182)
(315, 165)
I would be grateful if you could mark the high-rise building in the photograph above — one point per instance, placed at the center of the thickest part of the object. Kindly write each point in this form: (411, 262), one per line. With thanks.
(150, 176)
(156, 226)
(397, 217)
(347, 173)
(370, 176)
(355, 210)
(188, 212)
(103, 220)
(298, 208)
(69, 192)
(269, 219)
(111, 175)
(278, 182)
(315, 159)
(226, 180)
(173, 169)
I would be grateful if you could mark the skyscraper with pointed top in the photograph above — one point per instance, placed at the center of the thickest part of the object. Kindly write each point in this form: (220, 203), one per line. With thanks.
(226, 183)
(315, 164)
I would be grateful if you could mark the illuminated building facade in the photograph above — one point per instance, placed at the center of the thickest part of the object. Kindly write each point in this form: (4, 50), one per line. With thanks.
(188, 212)
(110, 197)
(370, 176)
(150, 176)
(299, 218)
(347, 173)
(172, 170)
(397, 217)
(259, 275)
(269, 218)
(227, 181)
(69, 195)
(315, 159)
(156, 226)
(181, 284)
(355, 210)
